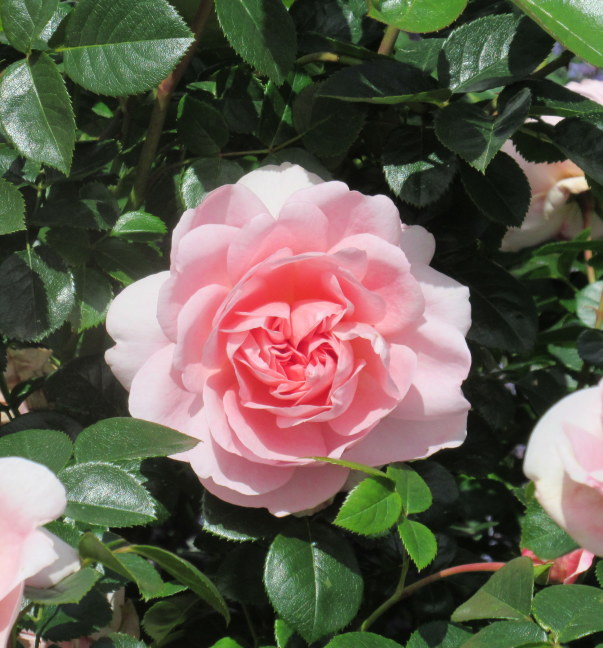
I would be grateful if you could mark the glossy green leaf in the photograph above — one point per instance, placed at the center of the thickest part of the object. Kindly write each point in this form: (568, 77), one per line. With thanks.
(35, 111)
(313, 581)
(139, 226)
(587, 303)
(162, 618)
(119, 47)
(204, 176)
(106, 495)
(577, 24)
(412, 488)
(491, 51)
(384, 81)
(119, 640)
(12, 208)
(120, 439)
(125, 261)
(423, 54)
(590, 347)
(262, 33)
(70, 590)
(542, 535)
(187, 574)
(373, 506)
(352, 465)
(417, 167)
(502, 192)
(24, 20)
(473, 134)
(202, 128)
(582, 141)
(507, 634)
(416, 15)
(286, 637)
(37, 294)
(569, 611)
(419, 542)
(48, 447)
(506, 595)
(227, 642)
(361, 640)
(93, 297)
(438, 634)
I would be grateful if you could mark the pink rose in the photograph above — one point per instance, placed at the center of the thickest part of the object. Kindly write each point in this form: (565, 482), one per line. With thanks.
(298, 319)
(552, 212)
(564, 458)
(30, 496)
(565, 569)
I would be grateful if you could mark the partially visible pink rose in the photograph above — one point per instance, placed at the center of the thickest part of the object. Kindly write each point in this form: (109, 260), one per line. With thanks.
(30, 496)
(564, 458)
(564, 569)
(552, 212)
(298, 319)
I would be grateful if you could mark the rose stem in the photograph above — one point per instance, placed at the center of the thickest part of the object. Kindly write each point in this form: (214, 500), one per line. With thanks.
(561, 61)
(389, 40)
(585, 202)
(160, 107)
(402, 592)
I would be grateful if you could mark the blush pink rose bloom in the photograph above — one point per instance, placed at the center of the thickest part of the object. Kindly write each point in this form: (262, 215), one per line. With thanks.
(30, 496)
(552, 212)
(565, 569)
(298, 319)
(564, 458)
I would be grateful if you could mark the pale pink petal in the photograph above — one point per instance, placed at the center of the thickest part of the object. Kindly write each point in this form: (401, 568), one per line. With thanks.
(132, 323)
(417, 244)
(67, 562)
(10, 605)
(590, 88)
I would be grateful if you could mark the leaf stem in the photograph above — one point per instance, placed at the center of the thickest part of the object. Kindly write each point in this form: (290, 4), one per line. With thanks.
(402, 592)
(160, 108)
(390, 36)
(561, 61)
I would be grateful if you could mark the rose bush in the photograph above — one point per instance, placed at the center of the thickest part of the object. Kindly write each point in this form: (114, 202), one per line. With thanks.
(298, 319)
(553, 209)
(564, 458)
(30, 496)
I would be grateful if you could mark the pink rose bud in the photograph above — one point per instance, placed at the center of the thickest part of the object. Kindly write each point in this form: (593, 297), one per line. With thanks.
(30, 496)
(298, 319)
(564, 569)
(552, 212)
(564, 458)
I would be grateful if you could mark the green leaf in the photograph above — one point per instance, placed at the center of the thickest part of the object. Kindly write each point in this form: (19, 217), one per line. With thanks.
(361, 640)
(577, 24)
(507, 634)
(119, 47)
(37, 294)
(24, 20)
(438, 634)
(286, 637)
(119, 640)
(163, 617)
(582, 141)
(506, 595)
(503, 312)
(202, 128)
(12, 208)
(352, 465)
(106, 495)
(385, 81)
(120, 439)
(125, 261)
(491, 51)
(422, 54)
(145, 576)
(139, 226)
(412, 488)
(227, 642)
(48, 447)
(204, 176)
(417, 167)
(187, 574)
(416, 15)
(590, 347)
(262, 33)
(569, 611)
(542, 535)
(419, 542)
(313, 581)
(35, 111)
(93, 296)
(502, 193)
(477, 137)
(587, 303)
(70, 590)
(371, 507)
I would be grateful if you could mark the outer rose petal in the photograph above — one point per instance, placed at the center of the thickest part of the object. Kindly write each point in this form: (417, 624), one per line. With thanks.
(67, 562)
(9, 611)
(132, 323)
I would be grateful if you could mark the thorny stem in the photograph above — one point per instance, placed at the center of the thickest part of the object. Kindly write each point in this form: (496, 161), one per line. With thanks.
(160, 108)
(389, 40)
(403, 592)
(561, 61)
